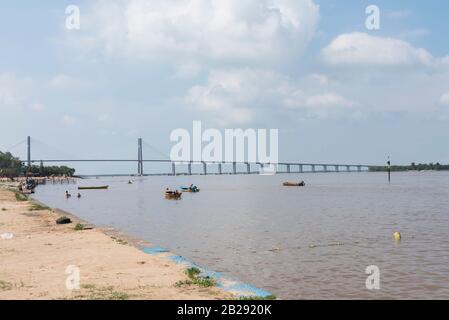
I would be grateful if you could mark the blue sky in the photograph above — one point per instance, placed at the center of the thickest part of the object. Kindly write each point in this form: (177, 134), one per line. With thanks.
(336, 91)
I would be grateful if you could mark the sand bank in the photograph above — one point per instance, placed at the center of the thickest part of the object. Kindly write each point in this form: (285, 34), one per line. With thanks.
(34, 262)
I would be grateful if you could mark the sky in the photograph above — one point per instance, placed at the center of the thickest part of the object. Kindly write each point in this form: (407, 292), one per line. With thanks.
(337, 91)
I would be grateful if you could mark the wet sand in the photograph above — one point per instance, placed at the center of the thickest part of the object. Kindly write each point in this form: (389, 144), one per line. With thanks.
(34, 262)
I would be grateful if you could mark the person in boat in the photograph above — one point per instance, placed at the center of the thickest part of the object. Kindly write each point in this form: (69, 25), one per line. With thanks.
(67, 194)
(193, 188)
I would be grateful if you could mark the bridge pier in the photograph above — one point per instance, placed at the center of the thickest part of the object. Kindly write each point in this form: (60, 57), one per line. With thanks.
(234, 168)
(189, 168)
(248, 168)
(173, 169)
(348, 168)
(288, 168)
(219, 169)
(301, 169)
(337, 168)
(359, 168)
(205, 168)
(325, 168)
(313, 168)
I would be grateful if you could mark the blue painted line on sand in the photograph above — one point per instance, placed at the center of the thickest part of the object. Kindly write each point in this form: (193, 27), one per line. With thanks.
(233, 286)
(154, 250)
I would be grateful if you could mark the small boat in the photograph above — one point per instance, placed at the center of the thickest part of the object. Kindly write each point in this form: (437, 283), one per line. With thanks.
(173, 195)
(93, 188)
(188, 189)
(294, 184)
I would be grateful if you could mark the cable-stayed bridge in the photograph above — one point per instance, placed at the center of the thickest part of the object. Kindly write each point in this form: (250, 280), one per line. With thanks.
(221, 167)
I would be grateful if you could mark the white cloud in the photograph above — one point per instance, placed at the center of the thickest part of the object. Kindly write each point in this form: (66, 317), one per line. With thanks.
(250, 31)
(239, 44)
(361, 49)
(230, 96)
(444, 100)
(299, 100)
(327, 100)
(385, 75)
(244, 95)
(443, 62)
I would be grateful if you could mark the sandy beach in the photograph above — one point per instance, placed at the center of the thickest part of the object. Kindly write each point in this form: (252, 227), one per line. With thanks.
(35, 260)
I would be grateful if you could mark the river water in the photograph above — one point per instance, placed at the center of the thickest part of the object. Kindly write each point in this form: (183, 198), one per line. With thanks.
(297, 243)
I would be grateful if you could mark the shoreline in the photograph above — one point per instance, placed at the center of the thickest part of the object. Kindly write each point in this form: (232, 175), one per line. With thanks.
(155, 273)
(36, 261)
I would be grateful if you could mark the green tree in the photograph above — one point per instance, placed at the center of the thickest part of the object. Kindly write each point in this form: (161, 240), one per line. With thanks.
(9, 165)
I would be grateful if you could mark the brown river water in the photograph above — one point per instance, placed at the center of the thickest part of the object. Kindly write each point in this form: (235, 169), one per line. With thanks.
(297, 243)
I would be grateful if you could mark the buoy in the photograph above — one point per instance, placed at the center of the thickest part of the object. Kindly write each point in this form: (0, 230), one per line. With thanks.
(397, 236)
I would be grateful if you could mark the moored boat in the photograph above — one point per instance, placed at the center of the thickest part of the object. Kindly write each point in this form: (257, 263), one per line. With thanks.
(93, 188)
(294, 184)
(193, 189)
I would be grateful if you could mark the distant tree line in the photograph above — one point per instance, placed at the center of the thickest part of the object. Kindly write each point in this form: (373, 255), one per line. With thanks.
(11, 166)
(413, 167)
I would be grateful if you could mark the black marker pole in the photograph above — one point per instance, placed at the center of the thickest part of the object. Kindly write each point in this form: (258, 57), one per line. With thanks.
(389, 170)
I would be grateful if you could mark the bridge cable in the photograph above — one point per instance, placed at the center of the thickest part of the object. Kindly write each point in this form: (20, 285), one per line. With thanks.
(15, 145)
(51, 149)
(165, 156)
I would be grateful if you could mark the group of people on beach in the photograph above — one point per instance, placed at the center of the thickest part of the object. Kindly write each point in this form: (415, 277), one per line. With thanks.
(28, 185)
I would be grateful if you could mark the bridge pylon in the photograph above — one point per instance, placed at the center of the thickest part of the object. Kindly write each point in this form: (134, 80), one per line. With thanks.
(139, 157)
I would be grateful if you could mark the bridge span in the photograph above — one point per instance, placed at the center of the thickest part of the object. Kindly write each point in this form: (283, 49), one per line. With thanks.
(249, 167)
